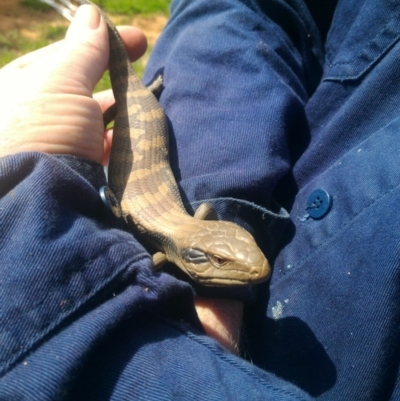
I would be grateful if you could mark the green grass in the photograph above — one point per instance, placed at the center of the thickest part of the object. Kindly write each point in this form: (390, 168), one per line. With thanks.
(127, 7)
(13, 43)
(132, 7)
(35, 5)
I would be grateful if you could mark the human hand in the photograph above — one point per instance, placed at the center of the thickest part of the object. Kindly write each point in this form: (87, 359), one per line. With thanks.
(46, 97)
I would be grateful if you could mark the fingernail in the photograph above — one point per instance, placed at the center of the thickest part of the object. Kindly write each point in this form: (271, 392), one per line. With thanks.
(88, 16)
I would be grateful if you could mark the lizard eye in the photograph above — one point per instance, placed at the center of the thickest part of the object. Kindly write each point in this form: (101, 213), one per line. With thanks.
(217, 260)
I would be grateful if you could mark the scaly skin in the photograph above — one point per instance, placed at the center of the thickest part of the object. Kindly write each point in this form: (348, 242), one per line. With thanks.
(216, 253)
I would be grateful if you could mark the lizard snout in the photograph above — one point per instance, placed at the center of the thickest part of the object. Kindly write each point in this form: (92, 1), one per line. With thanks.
(260, 273)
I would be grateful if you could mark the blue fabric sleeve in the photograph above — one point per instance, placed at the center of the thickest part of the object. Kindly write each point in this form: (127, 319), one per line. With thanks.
(60, 249)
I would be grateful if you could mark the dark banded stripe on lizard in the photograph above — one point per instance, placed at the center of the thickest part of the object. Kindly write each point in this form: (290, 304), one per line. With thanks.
(216, 253)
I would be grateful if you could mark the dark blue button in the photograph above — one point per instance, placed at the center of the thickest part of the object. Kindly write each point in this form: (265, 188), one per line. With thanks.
(110, 201)
(318, 204)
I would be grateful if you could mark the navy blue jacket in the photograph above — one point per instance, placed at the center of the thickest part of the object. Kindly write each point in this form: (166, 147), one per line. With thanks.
(291, 134)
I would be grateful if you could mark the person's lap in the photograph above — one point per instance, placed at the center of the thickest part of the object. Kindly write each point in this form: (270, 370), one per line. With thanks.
(249, 122)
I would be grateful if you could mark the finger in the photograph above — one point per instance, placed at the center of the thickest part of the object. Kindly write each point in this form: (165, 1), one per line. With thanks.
(134, 41)
(86, 44)
(107, 146)
(88, 36)
(105, 99)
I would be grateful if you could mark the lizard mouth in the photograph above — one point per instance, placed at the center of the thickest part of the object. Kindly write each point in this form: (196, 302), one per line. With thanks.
(235, 278)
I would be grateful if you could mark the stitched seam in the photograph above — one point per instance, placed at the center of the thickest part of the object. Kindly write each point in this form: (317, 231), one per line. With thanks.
(226, 359)
(15, 356)
(386, 28)
(360, 54)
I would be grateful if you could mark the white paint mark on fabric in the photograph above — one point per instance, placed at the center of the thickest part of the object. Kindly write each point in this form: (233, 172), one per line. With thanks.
(277, 310)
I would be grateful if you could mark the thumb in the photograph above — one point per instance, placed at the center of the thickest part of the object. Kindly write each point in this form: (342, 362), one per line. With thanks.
(86, 44)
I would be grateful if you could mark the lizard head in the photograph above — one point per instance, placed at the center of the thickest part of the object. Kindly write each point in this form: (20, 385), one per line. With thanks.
(220, 253)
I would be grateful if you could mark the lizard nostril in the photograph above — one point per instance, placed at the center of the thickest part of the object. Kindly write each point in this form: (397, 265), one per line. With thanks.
(260, 272)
